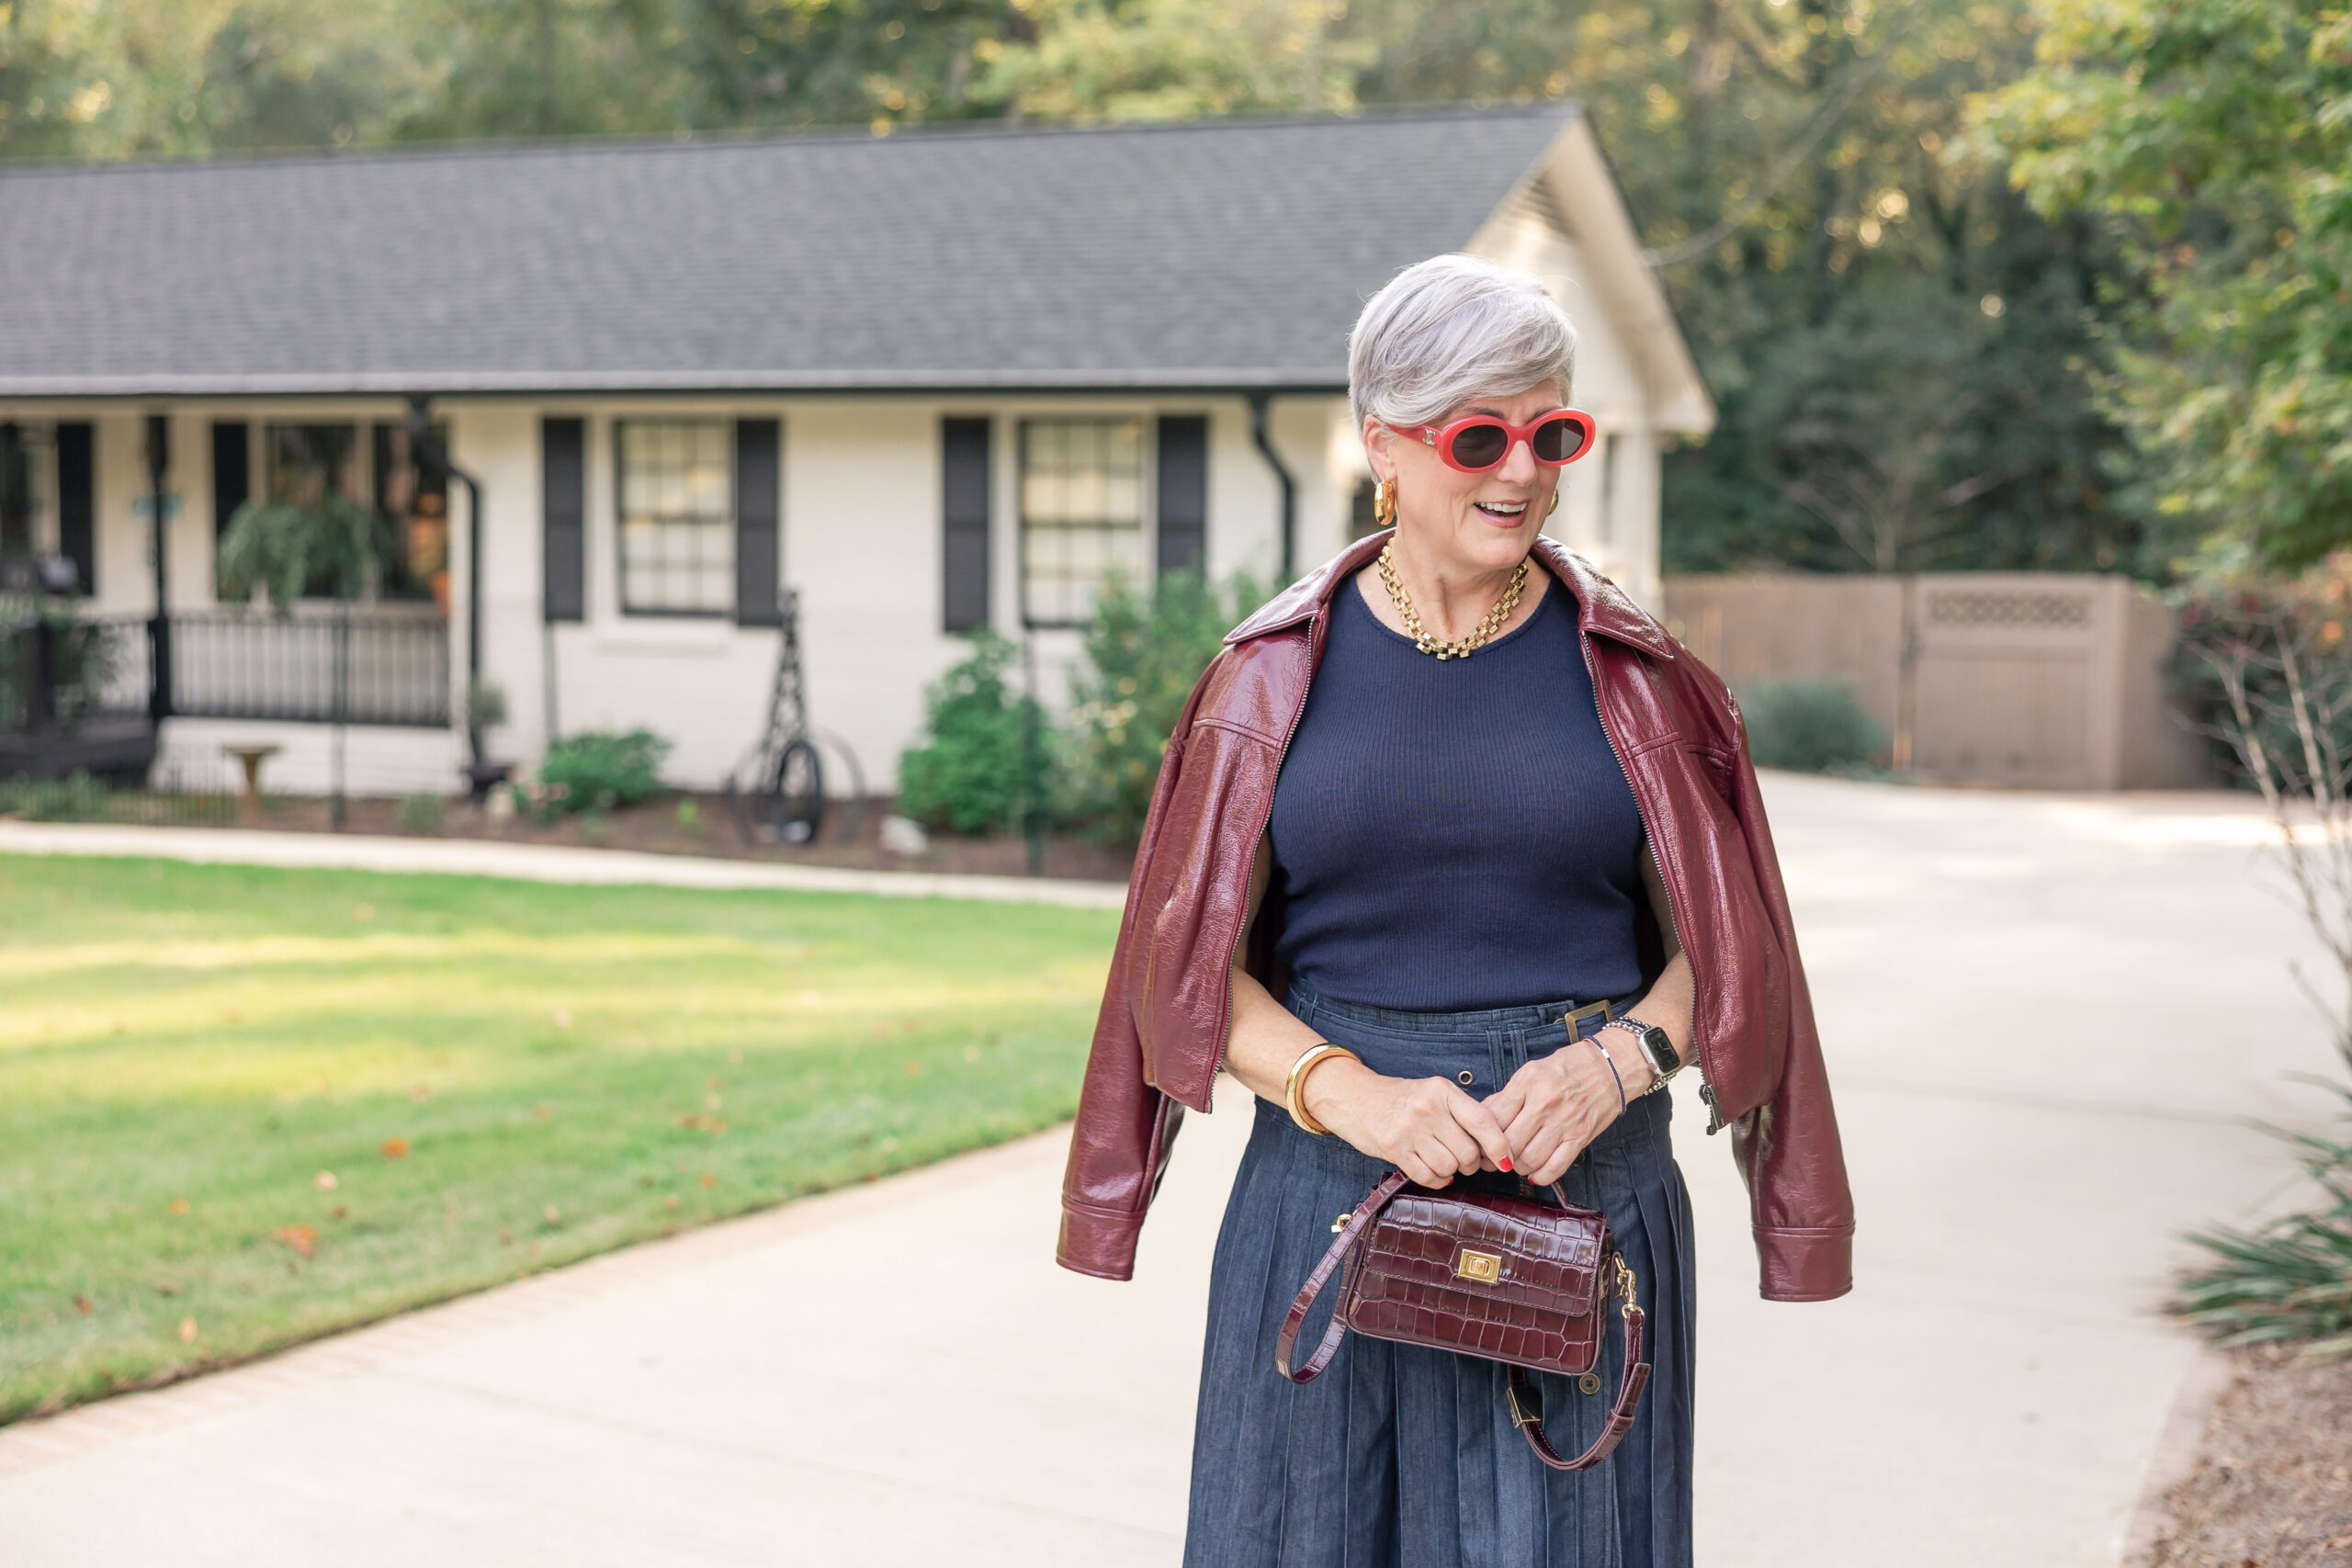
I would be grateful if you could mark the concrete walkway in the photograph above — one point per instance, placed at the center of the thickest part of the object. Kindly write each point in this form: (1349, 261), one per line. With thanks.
(2049, 1020)
(530, 862)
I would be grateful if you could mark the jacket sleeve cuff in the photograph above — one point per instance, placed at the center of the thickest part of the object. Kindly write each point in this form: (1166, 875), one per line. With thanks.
(1806, 1265)
(1101, 1242)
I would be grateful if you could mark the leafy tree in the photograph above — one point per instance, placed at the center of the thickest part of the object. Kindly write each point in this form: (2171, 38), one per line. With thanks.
(2214, 136)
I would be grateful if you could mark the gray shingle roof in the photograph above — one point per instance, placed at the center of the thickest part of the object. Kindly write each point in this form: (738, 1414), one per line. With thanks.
(1218, 254)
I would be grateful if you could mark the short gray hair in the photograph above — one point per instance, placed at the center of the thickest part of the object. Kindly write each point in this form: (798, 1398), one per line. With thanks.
(1446, 329)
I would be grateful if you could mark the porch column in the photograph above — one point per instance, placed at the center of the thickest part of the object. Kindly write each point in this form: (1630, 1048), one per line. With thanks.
(159, 630)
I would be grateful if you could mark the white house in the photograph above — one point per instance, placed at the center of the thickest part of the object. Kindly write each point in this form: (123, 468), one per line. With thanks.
(927, 381)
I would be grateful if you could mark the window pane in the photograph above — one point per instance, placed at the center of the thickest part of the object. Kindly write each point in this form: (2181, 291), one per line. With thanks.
(677, 484)
(1081, 513)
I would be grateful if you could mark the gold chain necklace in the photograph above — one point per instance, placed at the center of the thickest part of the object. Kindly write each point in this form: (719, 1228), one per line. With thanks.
(1479, 635)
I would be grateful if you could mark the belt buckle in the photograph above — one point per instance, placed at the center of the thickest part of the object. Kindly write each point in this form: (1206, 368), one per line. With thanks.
(1575, 1017)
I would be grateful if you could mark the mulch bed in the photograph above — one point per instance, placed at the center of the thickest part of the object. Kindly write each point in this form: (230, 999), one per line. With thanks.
(2273, 1487)
(710, 829)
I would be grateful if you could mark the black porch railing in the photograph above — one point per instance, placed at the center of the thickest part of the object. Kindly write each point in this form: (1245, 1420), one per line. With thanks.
(363, 668)
(59, 675)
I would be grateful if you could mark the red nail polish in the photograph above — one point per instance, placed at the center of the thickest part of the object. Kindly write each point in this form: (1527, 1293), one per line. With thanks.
(1506, 1167)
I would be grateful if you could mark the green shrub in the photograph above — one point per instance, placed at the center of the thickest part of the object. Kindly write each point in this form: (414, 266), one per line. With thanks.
(969, 772)
(78, 798)
(1809, 726)
(421, 813)
(598, 771)
(1144, 652)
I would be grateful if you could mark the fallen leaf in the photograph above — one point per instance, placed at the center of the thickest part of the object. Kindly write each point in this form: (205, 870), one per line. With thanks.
(341, 1213)
(716, 1083)
(232, 1015)
(554, 1215)
(362, 911)
(913, 1068)
(324, 1182)
(707, 1178)
(543, 1113)
(563, 1018)
(187, 1331)
(711, 1102)
(736, 1056)
(671, 1202)
(971, 1053)
(303, 1239)
(82, 1304)
(395, 1148)
(420, 1091)
(179, 1206)
(166, 1287)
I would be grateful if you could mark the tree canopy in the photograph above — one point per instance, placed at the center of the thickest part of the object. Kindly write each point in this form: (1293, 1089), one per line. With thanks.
(1974, 284)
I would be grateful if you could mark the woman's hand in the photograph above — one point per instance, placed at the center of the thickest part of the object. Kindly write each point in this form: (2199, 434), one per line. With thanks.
(1425, 1127)
(1553, 1107)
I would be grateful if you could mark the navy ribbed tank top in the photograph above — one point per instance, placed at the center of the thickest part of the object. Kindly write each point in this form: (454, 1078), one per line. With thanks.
(1456, 835)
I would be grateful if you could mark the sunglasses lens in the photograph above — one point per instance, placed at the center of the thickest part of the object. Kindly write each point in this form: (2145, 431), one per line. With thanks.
(1557, 440)
(1481, 445)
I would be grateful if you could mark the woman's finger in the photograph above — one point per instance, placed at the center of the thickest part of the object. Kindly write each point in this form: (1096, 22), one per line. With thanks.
(1459, 1143)
(1480, 1122)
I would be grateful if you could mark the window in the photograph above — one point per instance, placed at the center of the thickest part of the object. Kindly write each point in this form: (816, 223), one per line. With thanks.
(1081, 514)
(304, 462)
(677, 480)
(28, 484)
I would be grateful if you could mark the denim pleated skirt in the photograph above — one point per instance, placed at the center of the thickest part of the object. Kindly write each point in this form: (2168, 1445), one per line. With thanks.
(1401, 1457)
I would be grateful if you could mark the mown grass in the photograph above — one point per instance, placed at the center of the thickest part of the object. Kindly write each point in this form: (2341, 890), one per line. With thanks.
(242, 1108)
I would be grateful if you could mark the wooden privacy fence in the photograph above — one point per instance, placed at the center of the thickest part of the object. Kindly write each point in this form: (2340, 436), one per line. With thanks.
(2039, 680)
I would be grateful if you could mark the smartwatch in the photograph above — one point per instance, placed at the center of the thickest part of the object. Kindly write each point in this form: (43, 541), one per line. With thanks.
(1657, 1048)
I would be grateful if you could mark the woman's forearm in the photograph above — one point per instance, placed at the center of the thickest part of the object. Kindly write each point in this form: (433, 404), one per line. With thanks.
(1267, 1038)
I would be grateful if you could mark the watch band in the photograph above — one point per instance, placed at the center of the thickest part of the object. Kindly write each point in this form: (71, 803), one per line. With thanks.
(1656, 1046)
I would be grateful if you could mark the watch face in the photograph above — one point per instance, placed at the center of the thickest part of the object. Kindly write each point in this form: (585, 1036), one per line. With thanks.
(1660, 1046)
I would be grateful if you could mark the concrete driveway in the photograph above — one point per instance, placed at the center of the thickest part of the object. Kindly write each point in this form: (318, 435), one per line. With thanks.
(2050, 1021)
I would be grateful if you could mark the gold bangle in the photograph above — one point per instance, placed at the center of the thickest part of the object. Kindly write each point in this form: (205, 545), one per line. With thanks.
(1294, 1091)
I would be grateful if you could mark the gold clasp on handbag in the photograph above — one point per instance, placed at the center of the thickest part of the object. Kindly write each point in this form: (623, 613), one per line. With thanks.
(1341, 1222)
(1483, 1267)
(1625, 1287)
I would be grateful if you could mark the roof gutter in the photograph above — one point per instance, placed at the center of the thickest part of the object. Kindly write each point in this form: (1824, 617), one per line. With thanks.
(1257, 403)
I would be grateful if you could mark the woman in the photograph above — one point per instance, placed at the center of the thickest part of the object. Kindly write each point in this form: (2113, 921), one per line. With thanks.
(1454, 804)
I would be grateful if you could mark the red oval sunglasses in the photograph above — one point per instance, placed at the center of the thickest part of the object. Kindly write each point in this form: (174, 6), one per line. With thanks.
(1480, 442)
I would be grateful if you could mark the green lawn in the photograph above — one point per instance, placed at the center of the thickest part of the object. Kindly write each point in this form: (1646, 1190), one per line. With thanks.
(240, 1108)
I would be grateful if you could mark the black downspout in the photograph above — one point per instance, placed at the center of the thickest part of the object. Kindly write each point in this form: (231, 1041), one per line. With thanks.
(159, 630)
(423, 442)
(1258, 402)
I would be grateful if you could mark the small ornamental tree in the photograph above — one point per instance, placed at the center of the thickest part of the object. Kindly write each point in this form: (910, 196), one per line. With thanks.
(2276, 663)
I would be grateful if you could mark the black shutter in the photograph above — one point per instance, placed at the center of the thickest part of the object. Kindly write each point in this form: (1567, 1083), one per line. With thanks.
(231, 472)
(1183, 492)
(563, 509)
(759, 498)
(963, 512)
(77, 509)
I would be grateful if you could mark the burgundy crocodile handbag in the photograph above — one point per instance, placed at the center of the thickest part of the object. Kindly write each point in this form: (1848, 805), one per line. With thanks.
(1500, 1278)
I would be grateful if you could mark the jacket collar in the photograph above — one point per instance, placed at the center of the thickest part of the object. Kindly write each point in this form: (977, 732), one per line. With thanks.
(1603, 607)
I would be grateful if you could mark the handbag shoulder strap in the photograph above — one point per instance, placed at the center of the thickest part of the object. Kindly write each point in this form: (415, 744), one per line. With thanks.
(1526, 1403)
(1355, 1227)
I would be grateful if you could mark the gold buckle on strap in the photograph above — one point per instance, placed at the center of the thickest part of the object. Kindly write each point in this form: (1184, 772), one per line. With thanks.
(1575, 1019)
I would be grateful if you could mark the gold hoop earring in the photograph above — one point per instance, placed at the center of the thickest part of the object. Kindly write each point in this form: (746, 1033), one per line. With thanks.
(1555, 501)
(1384, 503)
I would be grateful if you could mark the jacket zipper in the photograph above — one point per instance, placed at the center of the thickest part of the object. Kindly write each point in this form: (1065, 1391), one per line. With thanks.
(1649, 846)
(1314, 647)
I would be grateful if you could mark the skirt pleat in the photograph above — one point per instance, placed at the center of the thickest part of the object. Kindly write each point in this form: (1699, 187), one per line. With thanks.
(1404, 1457)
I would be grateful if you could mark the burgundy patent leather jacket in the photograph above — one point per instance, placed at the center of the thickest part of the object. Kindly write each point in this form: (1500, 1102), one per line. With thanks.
(1160, 1038)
